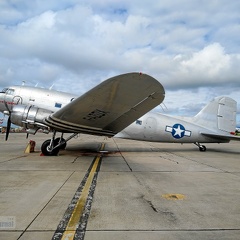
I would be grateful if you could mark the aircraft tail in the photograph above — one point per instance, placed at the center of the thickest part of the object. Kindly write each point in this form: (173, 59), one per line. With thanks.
(218, 115)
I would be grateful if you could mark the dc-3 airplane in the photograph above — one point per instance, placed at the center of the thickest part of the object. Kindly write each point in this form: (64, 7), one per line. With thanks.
(116, 107)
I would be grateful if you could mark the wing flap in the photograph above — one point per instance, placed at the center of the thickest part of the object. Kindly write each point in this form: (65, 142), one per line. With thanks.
(134, 113)
(109, 107)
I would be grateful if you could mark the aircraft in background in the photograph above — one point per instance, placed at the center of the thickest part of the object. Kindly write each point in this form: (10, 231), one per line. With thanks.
(117, 107)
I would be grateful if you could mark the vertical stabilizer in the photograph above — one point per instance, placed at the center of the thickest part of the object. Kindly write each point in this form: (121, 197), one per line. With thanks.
(219, 114)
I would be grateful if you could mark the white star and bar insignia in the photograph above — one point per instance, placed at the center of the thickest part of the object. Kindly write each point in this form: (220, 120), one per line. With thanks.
(178, 131)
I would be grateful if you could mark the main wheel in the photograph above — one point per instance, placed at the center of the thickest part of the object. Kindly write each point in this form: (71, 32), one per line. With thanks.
(63, 143)
(46, 150)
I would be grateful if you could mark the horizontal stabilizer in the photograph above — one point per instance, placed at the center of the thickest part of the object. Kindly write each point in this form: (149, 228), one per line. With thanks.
(222, 137)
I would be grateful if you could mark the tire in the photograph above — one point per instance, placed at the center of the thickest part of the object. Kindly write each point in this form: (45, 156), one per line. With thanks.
(46, 151)
(202, 148)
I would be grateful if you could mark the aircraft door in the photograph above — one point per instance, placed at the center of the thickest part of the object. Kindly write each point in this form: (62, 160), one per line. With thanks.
(10, 99)
(17, 100)
(150, 128)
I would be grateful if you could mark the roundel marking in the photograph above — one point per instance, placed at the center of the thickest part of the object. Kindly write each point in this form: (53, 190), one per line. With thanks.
(178, 131)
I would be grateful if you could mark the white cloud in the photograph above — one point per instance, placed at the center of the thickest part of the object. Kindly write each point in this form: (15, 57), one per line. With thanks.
(207, 67)
(186, 45)
(210, 61)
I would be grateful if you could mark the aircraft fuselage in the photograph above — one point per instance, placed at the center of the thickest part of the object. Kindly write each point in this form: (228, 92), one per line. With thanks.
(157, 127)
(42, 98)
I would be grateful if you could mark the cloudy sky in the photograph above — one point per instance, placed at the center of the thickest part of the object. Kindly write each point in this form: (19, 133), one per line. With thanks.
(191, 46)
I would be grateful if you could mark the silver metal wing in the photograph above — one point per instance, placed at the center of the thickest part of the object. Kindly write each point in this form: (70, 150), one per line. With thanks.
(109, 107)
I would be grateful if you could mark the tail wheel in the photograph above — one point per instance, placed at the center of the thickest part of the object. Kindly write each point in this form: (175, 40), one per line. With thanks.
(46, 149)
(202, 148)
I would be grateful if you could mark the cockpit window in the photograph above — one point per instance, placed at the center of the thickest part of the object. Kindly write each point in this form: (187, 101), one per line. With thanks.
(10, 91)
(4, 90)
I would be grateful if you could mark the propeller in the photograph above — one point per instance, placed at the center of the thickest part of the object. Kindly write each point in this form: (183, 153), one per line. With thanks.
(9, 119)
(8, 127)
(15, 100)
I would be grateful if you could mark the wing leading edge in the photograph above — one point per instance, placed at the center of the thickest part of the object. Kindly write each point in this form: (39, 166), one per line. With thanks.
(109, 107)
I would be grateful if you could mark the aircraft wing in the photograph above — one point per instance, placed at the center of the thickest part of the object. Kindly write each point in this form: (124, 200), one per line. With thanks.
(222, 137)
(109, 107)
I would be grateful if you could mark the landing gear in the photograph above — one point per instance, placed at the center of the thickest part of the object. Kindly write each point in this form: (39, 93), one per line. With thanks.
(202, 148)
(51, 147)
(61, 141)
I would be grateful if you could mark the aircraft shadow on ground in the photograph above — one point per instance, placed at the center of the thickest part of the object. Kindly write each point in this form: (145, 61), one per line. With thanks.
(92, 148)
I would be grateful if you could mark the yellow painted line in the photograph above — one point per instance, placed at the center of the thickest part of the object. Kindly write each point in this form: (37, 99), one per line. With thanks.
(78, 210)
(102, 147)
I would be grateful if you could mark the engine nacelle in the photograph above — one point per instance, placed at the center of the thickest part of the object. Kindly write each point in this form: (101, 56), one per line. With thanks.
(29, 117)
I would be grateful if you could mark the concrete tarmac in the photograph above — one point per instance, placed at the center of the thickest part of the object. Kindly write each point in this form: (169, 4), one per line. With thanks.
(105, 188)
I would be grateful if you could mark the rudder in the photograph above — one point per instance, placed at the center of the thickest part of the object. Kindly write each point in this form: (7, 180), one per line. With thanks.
(219, 114)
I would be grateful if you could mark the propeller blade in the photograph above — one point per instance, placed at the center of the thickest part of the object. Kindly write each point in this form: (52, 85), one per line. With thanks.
(8, 127)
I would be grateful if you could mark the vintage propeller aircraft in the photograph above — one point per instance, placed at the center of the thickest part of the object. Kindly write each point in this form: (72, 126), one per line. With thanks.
(116, 107)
